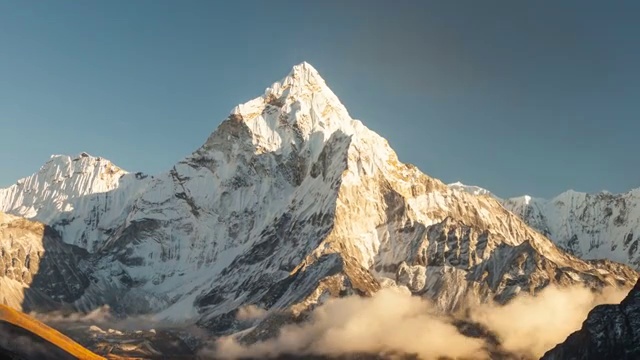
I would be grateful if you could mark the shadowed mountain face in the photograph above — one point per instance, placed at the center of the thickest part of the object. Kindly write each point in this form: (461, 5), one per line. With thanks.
(23, 337)
(20, 344)
(38, 271)
(609, 332)
(289, 202)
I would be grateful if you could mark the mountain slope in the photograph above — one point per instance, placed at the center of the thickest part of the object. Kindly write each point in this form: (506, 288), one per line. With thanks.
(38, 271)
(65, 189)
(289, 201)
(609, 332)
(590, 226)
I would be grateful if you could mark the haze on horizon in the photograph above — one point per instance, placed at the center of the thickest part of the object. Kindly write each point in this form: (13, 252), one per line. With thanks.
(520, 98)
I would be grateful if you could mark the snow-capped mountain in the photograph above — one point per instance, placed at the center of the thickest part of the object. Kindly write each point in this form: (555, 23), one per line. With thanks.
(475, 190)
(591, 226)
(288, 201)
(65, 190)
(609, 332)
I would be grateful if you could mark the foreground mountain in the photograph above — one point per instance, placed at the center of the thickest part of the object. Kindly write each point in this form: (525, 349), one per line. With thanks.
(610, 332)
(288, 202)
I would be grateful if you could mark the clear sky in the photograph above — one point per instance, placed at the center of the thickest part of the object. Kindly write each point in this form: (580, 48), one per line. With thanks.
(519, 97)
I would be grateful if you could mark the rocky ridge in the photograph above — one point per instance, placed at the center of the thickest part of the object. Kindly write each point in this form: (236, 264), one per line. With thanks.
(609, 332)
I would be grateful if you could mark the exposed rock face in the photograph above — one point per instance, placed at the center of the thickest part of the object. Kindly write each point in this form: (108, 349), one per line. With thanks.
(610, 332)
(34, 257)
(287, 202)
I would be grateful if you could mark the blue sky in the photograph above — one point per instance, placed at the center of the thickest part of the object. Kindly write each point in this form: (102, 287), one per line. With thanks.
(519, 97)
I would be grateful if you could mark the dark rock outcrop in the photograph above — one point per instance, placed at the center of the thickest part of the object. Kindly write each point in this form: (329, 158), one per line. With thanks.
(610, 332)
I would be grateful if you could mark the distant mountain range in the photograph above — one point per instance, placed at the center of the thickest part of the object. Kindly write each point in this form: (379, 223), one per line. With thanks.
(590, 226)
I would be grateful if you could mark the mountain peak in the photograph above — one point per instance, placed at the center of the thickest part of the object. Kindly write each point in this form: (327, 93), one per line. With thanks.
(288, 115)
(57, 158)
(301, 84)
(60, 180)
(302, 79)
(474, 190)
(83, 162)
(304, 70)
